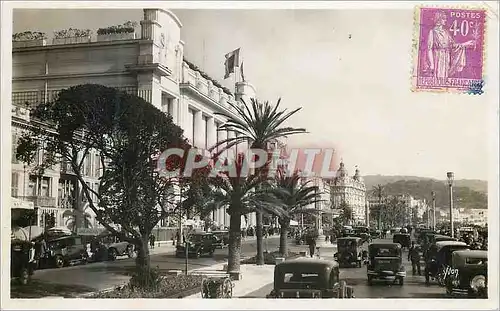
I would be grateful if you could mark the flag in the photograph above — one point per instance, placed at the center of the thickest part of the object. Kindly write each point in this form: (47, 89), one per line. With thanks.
(242, 74)
(232, 61)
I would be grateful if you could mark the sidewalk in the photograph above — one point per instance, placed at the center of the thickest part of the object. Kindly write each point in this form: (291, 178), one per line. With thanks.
(252, 277)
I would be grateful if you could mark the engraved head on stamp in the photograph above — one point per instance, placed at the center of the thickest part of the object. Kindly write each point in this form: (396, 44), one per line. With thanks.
(449, 50)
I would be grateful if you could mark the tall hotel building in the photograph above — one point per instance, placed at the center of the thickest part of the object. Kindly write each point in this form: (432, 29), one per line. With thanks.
(150, 64)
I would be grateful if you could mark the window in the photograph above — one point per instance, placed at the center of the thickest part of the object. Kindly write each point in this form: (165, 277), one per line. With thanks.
(45, 187)
(14, 185)
(87, 165)
(32, 188)
(97, 165)
(14, 148)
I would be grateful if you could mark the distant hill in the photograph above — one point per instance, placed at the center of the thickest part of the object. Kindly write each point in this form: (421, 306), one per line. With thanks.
(474, 184)
(420, 188)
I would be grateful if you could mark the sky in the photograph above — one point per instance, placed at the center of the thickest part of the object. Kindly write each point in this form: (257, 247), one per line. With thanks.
(349, 70)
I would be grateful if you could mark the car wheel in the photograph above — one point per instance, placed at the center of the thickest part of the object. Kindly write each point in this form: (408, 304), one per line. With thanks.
(59, 261)
(24, 276)
(112, 254)
(370, 280)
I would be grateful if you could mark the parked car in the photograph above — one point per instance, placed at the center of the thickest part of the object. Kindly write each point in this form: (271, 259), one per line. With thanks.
(309, 278)
(115, 247)
(22, 261)
(222, 238)
(469, 274)
(349, 251)
(438, 260)
(385, 261)
(66, 250)
(198, 244)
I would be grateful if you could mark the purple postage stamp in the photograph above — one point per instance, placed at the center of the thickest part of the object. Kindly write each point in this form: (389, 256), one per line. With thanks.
(448, 52)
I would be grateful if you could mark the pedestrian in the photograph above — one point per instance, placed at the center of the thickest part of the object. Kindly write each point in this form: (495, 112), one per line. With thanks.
(414, 257)
(152, 239)
(311, 241)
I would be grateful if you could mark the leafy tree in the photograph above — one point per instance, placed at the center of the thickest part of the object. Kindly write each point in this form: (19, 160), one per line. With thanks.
(378, 191)
(296, 196)
(257, 124)
(240, 195)
(127, 132)
(74, 216)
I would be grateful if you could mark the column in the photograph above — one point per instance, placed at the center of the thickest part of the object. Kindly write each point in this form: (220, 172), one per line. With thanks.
(182, 111)
(199, 137)
(174, 110)
(211, 132)
(232, 151)
(223, 136)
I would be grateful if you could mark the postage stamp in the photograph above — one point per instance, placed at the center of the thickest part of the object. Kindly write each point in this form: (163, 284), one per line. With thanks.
(448, 50)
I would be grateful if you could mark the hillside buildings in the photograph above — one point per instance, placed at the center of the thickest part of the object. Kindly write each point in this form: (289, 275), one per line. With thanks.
(149, 63)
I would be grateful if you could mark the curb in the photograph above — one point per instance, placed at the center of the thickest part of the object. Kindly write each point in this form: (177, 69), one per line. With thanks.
(110, 289)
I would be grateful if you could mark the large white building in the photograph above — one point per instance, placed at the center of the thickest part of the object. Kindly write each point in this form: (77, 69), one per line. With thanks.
(351, 190)
(149, 63)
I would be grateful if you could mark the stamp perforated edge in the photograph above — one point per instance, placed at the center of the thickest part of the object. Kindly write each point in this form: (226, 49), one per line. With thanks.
(416, 47)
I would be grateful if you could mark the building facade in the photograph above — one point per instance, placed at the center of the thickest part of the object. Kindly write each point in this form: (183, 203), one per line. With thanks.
(352, 191)
(150, 64)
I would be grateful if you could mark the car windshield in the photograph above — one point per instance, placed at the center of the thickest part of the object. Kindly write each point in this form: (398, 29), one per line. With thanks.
(385, 252)
(196, 238)
(301, 280)
(476, 261)
(346, 243)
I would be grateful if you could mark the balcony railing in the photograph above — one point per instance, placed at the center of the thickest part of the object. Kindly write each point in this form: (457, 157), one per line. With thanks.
(41, 201)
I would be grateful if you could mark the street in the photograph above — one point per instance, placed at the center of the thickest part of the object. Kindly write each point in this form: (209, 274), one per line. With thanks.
(413, 287)
(70, 281)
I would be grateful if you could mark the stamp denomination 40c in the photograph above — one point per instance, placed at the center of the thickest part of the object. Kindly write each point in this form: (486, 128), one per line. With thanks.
(448, 52)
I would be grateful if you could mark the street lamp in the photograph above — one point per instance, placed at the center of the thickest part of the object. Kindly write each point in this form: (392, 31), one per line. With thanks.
(433, 210)
(450, 177)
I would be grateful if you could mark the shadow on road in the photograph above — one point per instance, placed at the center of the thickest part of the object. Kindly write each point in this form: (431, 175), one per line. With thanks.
(39, 289)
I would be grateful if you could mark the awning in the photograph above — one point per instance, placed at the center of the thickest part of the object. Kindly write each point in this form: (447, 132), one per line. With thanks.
(294, 223)
(20, 204)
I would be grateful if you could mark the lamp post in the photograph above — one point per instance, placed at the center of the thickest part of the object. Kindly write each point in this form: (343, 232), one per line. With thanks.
(450, 177)
(433, 210)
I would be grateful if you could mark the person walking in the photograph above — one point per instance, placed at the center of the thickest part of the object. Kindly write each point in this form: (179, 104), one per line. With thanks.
(152, 239)
(311, 241)
(414, 257)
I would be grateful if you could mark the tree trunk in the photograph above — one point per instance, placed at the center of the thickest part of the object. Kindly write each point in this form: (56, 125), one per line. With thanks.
(259, 235)
(284, 228)
(143, 261)
(234, 247)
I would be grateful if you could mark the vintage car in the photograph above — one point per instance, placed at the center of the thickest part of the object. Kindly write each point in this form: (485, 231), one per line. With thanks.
(66, 250)
(385, 262)
(22, 261)
(115, 247)
(222, 238)
(197, 245)
(363, 233)
(468, 274)
(402, 238)
(349, 251)
(438, 260)
(309, 278)
(422, 235)
(375, 234)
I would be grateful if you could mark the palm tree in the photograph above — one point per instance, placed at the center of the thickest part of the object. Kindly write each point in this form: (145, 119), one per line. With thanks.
(257, 125)
(347, 213)
(379, 192)
(240, 196)
(296, 197)
(75, 216)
